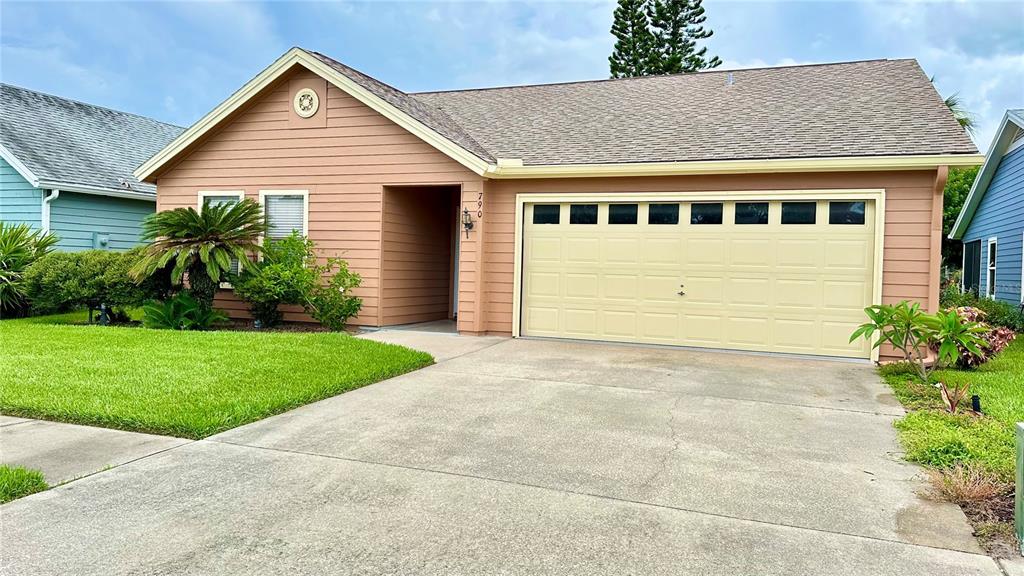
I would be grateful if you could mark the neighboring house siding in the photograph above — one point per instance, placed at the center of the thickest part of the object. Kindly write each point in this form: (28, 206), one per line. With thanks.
(1001, 215)
(19, 201)
(344, 156)
(77, 218)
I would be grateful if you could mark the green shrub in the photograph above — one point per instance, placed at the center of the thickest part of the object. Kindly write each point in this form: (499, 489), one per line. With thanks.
(18, 481)
(181, 312)
(333, 304)
(997, 312)
(20, 246)
(63, 281)
(287, 274)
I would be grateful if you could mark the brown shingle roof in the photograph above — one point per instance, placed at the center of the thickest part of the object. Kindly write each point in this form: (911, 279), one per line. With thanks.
(867, 108)
(870, 108)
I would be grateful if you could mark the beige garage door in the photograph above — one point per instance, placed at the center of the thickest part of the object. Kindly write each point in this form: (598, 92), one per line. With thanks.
(770, 275)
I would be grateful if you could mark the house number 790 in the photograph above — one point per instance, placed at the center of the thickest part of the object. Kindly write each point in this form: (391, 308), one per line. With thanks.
(480, 205)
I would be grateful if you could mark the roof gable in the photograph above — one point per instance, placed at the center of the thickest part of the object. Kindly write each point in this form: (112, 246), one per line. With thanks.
(54, 142)
(1008, 135)
(873, 115)
(430, 125)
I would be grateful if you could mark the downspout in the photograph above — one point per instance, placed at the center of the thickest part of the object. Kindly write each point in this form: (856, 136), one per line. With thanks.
(47, 198)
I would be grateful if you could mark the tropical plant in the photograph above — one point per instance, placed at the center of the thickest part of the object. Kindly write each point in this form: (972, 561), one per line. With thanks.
(958, 186)
(181, 312)
(914, 333)
(994, 340)
(287, 274)
(964, 117)
(199, 245)
(333, 304)
(20, 246)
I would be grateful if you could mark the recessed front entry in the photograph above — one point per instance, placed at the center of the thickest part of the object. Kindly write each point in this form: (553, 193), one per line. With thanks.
(764, 274)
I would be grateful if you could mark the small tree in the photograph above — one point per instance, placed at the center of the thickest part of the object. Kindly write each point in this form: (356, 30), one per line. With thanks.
(913, 333)
(200, 246)
(287, 274)
(633, 53)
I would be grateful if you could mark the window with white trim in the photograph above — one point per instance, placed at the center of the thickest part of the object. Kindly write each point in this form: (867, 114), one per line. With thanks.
(990, 285)
(217, 198)
(286, 212)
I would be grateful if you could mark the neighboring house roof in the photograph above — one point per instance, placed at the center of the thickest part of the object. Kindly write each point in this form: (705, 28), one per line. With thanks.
(1010, 134)
(876, 114)
(59, 143)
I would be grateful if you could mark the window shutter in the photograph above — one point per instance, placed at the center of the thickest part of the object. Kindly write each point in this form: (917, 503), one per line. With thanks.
(285, 213)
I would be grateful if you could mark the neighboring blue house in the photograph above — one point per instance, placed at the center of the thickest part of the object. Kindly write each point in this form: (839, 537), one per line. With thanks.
(66, 167)
(991, 224)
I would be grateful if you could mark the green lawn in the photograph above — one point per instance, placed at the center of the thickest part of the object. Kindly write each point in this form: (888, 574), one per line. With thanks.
(187, 384)
(935, 438)
(16, 481)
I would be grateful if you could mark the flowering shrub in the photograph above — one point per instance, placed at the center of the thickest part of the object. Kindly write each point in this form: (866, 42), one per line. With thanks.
(994, 339)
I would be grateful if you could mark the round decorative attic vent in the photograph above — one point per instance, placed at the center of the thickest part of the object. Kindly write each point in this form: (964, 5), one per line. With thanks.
(306, 102)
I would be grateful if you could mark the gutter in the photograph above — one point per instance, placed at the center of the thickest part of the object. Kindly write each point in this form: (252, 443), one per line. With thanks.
(130, 194)
(45, 217)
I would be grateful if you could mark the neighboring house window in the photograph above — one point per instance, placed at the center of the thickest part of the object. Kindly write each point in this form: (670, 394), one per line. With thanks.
(990, 286)
(218, 198)
(972, 267)
(286, 212)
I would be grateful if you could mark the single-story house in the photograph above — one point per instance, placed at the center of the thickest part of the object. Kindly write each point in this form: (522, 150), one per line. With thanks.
(991, 223)
(757, 209)
(66, 168)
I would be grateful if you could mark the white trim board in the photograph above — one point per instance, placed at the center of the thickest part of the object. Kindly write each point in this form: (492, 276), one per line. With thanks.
(1000, 144)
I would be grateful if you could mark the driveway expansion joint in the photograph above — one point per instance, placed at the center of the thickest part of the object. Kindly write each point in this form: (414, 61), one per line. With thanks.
(590, 495)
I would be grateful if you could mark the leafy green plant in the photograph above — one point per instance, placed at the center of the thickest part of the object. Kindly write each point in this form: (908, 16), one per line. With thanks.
(334, 304)
(18, 481)
(181, 312)
(913, 333)
(63, 281)
(287, 274)
(20, 246)
(997, 312)
(199, 245)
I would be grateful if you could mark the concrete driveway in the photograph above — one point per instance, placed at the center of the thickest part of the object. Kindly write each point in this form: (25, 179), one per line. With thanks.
(526, 457)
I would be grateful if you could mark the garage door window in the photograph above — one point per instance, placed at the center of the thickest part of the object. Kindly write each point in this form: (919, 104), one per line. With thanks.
(663, 214)
(622, 214)
(799, 212)
(546, 213)
(845, 212)
(706, 213)
(583, 214)
(751, 212)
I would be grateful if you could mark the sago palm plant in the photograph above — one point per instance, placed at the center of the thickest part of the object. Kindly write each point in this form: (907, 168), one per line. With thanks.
(20, 246)
(201, 244)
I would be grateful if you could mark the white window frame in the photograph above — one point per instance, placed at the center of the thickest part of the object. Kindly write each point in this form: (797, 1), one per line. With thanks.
(203, 195)
(305, 204)
(990, 267)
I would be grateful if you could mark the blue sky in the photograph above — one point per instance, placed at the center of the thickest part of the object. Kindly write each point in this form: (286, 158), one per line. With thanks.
(176, 61)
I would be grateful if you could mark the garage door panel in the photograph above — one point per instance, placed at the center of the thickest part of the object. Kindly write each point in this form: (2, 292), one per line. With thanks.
(620, 323)
(622, 250)
(755, 252)
(771, 287)
(749, 291)
(663, 251)
(582, 251)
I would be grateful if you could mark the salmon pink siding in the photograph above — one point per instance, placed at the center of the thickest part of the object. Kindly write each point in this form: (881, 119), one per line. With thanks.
(347, 154)
(344, 156)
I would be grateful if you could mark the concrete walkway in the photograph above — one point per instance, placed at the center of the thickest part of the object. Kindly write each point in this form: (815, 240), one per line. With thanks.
(527, 457)
(64, 452)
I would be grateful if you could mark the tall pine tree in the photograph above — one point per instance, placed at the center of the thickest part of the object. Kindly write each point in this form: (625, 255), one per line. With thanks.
(633, 54)
(678, 25)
